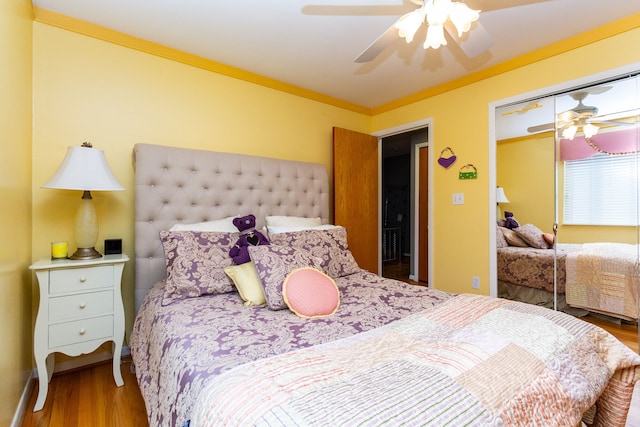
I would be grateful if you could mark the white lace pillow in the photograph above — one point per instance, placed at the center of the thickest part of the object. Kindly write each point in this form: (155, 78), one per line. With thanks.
(292, 221)
(222, 225)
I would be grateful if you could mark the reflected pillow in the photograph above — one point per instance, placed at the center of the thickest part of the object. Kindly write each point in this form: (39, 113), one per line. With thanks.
(512, 238)
(532, 235)
(195, 263)
(501, 242)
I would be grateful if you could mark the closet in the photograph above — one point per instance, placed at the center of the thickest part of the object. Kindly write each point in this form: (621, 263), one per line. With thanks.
(569, 166)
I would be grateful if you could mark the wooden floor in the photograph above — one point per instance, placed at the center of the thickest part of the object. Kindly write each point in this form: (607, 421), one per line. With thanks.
(89, 397)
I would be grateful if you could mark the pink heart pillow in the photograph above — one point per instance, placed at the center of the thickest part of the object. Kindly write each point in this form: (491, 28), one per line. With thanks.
(310, 293)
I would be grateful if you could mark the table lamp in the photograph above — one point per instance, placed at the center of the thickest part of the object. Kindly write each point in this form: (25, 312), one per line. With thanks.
(500, 198)
(85, 168)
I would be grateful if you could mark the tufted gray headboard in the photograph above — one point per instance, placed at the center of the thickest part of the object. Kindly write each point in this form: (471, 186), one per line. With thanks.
(184, 185)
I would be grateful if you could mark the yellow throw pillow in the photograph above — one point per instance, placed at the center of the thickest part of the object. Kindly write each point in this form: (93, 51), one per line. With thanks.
(247, 282)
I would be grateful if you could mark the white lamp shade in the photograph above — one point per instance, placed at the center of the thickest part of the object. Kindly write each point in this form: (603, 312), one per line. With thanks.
(500, 196)
(86, 169)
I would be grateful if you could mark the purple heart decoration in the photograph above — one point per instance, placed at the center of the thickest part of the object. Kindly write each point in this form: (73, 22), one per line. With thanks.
(446, 162)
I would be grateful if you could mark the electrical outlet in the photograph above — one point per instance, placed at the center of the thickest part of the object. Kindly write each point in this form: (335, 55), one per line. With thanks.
(475, 282)
(458, 199)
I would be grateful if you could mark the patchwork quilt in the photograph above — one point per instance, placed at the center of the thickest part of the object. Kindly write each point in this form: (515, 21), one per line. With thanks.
(471, 360)
(604, 277)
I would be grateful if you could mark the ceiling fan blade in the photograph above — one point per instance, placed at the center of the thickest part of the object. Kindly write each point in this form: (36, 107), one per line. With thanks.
(474, 42)
(360, 8)
(353, 10)
(381, 43)
(541, 128)
(568, 116)
(609, 122)
(489, 5)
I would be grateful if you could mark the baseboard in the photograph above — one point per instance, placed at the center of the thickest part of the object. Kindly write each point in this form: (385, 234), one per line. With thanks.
(23, 403)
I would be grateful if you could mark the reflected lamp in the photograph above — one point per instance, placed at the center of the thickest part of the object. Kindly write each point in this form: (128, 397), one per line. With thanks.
(500, 198)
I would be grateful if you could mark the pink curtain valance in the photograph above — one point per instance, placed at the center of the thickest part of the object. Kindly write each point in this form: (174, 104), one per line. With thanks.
(621, 141)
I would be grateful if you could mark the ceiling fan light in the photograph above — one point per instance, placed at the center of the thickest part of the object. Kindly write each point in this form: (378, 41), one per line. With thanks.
(408, 24)
(437, 11)
(435, 37)
(589, 130)
(462, 17)
(570, 132)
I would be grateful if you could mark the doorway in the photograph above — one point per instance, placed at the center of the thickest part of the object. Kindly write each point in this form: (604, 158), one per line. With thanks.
(404, 205)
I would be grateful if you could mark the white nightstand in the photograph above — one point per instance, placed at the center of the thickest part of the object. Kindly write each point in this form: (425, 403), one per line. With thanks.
(80, 309)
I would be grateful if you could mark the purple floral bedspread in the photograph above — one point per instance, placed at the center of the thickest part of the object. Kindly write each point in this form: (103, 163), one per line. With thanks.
(178, 348)
(532, 267)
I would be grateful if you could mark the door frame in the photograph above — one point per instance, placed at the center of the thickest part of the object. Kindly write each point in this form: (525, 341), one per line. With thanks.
(493, 106)
(419, 124)
(416, 208)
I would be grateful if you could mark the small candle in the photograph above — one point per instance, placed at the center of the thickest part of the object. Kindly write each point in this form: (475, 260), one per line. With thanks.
(59, 250)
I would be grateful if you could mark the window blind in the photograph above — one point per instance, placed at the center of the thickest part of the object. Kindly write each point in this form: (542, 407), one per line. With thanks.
(601, 190)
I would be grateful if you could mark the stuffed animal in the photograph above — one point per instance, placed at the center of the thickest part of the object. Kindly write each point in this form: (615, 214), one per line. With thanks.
(509, 221)
(249, 236)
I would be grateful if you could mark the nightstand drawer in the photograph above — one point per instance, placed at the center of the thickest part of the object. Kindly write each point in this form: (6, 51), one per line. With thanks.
(80, 331)
(80, 279)
(81, 305)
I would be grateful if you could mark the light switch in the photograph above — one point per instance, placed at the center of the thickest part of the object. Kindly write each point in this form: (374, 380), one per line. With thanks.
(458, 199)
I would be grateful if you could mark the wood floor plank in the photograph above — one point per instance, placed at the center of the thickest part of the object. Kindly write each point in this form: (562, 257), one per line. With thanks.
(90, 397)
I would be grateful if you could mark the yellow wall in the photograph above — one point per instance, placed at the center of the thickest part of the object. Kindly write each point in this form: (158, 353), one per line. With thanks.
(460, 121)
(525, 168)
(15, 199)
(89, 90)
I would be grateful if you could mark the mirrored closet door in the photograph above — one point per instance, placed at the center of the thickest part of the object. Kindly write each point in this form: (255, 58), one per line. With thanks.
(597, 147)
(568, 173)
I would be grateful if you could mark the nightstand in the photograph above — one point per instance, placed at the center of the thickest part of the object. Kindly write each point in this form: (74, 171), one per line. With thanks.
(80, 309)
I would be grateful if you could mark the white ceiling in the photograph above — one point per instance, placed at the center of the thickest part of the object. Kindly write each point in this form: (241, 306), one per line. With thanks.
(312, 43)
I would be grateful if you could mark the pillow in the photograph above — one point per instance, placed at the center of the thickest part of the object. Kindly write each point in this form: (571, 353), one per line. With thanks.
(328, 245)
(222, 225)
(247, 282)
(292, 221)
(532, 235)
(195, 263)
(549, 238)
(512, 238)
(501, 242)
(310, 293)
(276, 229)
(273, 264)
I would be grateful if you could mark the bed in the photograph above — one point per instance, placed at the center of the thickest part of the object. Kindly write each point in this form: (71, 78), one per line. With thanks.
(526, 274)
(397, 353)
(591, 277)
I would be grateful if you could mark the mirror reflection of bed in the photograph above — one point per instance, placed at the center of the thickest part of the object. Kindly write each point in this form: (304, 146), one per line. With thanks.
(594, 257)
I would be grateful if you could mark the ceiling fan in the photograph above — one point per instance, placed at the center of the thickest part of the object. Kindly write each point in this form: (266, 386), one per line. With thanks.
(455, 17)
(581, 116)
